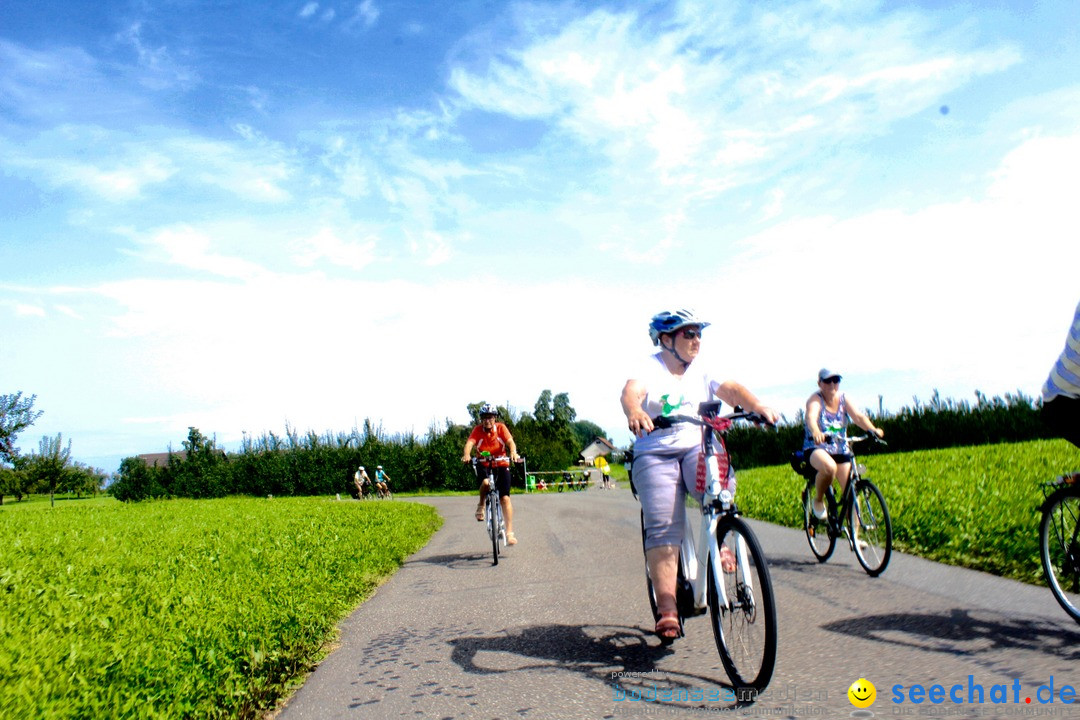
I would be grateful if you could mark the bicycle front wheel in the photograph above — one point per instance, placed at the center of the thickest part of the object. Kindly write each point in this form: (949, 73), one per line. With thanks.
(494, 522)
(742, 607)
(1059, 546)
(869, 520)
(821, 540)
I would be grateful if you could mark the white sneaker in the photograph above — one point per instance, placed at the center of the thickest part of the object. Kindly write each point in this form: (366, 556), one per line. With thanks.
(819, 514)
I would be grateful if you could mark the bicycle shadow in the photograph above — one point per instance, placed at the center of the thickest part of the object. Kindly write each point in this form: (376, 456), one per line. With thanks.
(959, 632)
(454, 561)
(597, 652)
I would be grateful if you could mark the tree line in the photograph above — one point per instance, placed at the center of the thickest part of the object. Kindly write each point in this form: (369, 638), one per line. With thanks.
(550, 437)
(295, 463)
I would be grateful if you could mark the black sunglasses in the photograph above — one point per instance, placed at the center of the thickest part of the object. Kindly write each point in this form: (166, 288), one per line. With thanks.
(831, 381)
(691, 334)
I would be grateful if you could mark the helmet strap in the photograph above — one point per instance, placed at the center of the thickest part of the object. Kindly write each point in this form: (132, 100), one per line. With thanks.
(684, 362)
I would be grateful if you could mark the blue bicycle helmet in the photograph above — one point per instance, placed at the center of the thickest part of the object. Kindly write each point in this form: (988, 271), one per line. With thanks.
(489, 409)
(669, 322)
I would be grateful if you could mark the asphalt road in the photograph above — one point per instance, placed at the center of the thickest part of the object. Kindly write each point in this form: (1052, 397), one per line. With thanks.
(554, 630)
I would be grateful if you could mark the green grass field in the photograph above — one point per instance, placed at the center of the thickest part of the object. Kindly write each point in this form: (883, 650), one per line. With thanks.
(183, 608)
(213, 608)
(976, 507)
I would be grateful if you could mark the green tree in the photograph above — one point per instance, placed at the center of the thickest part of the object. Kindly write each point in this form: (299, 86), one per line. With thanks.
(542, 411)
(80, 478)
(562, 413)
(16, 414)
(204, 471)
(48, 467)
(585, 432)
(15, 482)
(138, 481)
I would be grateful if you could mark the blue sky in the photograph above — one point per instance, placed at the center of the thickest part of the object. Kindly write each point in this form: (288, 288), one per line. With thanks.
(241, 215)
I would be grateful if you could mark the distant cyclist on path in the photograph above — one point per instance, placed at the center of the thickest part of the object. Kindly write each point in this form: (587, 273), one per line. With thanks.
(382, 482)
(494, 437)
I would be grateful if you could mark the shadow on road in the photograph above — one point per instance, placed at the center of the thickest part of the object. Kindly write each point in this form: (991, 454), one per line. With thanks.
(604, 653)
(454, 561)
(961, 632)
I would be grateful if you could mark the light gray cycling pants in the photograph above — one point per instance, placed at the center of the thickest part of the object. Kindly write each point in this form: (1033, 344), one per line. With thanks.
(663, 479)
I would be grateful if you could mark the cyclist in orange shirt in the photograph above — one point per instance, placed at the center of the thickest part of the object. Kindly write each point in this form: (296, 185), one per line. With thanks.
(494, 437)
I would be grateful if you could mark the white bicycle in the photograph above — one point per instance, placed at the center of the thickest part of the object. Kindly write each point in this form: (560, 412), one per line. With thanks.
(734, 586)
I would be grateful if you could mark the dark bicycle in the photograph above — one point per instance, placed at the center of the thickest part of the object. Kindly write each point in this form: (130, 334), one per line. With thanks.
(1059, 541)
(493, 514)
(861, 517)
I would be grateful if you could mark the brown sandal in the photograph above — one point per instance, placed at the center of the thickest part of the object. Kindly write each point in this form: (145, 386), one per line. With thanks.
(668, 628)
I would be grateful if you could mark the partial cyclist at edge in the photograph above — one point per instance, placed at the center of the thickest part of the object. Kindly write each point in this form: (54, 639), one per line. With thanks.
(672, 381)
(829, 412)
(494, 437)
(1061, 391)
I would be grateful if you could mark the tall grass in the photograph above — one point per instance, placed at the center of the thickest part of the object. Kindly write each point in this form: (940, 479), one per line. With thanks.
(974, 507)
(184, 608)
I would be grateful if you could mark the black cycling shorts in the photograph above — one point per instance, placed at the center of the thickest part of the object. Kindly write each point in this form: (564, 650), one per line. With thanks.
(502, 477)
(838, 458)
(1062, 416)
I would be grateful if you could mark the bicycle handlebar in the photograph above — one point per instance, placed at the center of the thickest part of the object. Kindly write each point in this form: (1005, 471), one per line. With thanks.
(829, 438)
(708, 409)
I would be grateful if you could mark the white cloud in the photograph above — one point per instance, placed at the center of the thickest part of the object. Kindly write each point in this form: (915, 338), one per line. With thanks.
(326, 245)
(190, 248)
(368, 12)
(613, 85)
(24, 310)
(309, 9)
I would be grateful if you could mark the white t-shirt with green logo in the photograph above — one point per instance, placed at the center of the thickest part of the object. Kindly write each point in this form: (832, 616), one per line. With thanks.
(667, 394)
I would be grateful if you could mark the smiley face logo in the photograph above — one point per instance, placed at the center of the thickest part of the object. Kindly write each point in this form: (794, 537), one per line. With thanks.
(862, 693)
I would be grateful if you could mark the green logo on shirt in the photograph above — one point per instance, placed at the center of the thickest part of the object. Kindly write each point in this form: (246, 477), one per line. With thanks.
(668, 408)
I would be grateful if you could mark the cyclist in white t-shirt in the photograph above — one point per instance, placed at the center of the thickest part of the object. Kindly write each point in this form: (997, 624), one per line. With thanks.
(665, 460)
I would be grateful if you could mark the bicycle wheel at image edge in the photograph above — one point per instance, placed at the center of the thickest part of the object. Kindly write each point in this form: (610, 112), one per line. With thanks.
(872, 527)
(744, 626)
(1059, 548)
(821, 540)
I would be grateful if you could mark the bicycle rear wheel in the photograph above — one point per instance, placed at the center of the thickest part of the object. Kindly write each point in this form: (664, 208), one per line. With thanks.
(743, 610)
(1059, 548)
(869, 520)
(821, 540)
(494, 518)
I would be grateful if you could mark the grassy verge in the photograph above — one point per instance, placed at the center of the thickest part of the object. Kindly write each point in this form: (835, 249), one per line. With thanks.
(974, 507)
(184, 608)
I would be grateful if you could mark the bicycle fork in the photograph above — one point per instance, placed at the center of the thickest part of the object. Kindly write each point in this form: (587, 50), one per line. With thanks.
(697, 574)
